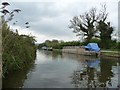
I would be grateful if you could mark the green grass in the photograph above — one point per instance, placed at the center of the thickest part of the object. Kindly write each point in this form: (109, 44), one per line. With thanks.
(110, 53)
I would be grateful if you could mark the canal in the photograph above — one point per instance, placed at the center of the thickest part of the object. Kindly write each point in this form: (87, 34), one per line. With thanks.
(61, 70)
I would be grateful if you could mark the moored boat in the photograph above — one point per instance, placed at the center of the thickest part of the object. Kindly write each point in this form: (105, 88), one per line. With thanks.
(92, 49)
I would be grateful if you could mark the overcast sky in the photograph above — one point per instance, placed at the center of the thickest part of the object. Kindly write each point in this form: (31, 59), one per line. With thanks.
(49, 19)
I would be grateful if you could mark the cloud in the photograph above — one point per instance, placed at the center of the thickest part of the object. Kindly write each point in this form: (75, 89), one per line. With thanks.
(50, 19)
(62, 1)
(39, 36)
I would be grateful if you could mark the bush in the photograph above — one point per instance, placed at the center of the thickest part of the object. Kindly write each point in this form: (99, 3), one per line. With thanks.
(17, 50)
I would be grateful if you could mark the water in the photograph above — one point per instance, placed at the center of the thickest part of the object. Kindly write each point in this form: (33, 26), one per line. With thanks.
(61, 70)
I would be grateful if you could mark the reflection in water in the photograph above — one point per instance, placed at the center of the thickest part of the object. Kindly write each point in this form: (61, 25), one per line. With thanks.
(88, 76)
(61, 70)
(92, 63)
(16, 79)
(96, 73)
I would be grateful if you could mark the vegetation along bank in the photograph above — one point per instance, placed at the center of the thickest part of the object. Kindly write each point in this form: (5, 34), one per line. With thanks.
(17, 51)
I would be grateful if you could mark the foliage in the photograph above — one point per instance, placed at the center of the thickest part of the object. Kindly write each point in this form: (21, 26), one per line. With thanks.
(17, 50)
(118, 46)
(84, 25)
(91, 26)
(94, 40)
(59, 45)
(105, 35)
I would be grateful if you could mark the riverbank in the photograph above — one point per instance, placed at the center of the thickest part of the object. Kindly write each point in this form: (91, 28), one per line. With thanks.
(57, 50)
(103, 53)
(109, 53)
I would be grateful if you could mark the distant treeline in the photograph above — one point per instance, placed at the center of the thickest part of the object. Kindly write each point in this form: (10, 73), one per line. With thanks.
(17, 50)
(55, 44)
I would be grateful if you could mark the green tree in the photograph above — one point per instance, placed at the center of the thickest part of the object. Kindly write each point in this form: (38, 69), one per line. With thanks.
(105, 34)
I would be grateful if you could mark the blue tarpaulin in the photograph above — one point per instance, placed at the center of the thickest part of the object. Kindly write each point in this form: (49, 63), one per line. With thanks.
(92, 47)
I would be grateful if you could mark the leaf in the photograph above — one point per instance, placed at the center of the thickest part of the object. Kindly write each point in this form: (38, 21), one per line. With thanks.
(17, 10)
(5, 11)
(26, 23)
(27, 26)
(5, 3)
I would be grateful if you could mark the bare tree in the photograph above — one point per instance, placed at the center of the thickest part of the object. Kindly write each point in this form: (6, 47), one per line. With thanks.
(85, 24)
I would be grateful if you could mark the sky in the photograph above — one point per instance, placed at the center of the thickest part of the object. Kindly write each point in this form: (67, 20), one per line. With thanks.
(49, 19)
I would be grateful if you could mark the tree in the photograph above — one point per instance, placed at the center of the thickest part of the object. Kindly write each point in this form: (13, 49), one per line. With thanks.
(105, 29)
(105, 35)
(85, 25)
(47, 42)
(55, 41)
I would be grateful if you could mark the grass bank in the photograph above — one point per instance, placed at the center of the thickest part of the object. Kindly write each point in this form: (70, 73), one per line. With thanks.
(110, 53)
